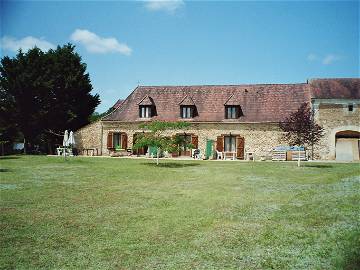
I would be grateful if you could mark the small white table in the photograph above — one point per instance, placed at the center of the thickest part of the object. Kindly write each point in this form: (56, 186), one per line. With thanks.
(231, 154)
(62, 150)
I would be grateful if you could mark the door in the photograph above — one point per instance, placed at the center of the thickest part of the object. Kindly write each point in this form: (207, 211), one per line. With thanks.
(240, 147)
(347, 149)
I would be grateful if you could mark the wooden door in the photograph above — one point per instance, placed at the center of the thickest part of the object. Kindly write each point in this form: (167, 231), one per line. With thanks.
(110, 140)
(124, 141)
(240, 147)
(220, 143)
(195, 141)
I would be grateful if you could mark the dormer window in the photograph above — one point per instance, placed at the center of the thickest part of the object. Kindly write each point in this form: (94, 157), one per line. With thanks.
(187, 108)
(145, 111)
(147, 108)
(187, 111)
(233, 112)
(232, 107)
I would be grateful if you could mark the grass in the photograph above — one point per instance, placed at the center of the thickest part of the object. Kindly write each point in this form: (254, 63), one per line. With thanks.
(94, 213)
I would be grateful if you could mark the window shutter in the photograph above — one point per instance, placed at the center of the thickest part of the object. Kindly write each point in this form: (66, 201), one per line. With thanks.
(124, 141)
(110, 140)
(220, 143)
(239, 147)
(194, 141)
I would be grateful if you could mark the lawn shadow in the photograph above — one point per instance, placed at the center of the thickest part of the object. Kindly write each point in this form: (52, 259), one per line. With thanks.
(8, 157)
(353, 263)
(170, 165)
(4, 170)
(320, 166)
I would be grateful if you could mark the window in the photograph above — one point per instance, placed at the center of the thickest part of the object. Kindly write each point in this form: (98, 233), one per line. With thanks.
(232, 112)
(187, 111)
(145, 111)
(117, 140)
(230, 144)
(350, 107)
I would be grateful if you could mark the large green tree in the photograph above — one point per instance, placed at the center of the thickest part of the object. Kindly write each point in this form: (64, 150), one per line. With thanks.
(44, 93)
(155, 136)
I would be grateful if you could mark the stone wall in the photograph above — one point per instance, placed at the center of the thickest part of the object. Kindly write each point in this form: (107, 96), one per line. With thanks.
(259, 138)
(334, 118)
(89, 136)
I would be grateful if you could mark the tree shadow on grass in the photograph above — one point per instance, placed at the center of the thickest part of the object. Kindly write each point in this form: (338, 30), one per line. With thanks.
(8, 157)
(320, 166)
(170, 165)
(4, 170)
(352, 257)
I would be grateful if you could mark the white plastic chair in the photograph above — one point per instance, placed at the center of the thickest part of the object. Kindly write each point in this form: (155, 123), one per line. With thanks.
(219, 155)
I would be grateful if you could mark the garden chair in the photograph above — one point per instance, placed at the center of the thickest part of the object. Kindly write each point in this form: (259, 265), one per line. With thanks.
(219, 155)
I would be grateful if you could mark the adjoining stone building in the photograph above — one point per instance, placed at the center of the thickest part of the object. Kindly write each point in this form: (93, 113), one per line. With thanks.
(234, 118)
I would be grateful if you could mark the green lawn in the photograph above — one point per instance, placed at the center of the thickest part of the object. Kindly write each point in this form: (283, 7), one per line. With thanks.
(101, 213)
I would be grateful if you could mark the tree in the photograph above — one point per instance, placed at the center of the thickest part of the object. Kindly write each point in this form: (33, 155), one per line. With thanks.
(96, 115)
(300, 128)
(155, 137)
(43, 94)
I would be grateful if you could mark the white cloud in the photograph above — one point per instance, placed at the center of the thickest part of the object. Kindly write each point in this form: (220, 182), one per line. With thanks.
(26, 43)
(169, 6)
(330, 58)
(96, 44)
(325, 60)
(312, 57)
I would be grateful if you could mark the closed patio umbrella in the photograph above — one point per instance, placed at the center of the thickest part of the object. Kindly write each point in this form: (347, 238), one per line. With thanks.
(65, 142)
(66, 139)
(71, 139)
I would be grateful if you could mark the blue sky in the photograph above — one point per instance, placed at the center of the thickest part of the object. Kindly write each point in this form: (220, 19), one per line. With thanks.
(180, 43)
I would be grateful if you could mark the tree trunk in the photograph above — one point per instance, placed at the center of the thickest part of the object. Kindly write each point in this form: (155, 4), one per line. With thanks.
(299, 158)
(50, 147)
(312, 150)
(24, 145)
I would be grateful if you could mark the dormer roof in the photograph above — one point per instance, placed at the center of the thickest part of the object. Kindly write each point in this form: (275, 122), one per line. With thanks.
(187, 101)
(233, 100)
(146, 101)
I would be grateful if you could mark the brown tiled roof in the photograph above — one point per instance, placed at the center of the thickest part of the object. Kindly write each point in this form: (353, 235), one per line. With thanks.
(259, 102)
(335, 88)
(118, 104)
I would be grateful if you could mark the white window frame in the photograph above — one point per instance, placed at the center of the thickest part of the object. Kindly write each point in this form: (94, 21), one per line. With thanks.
(119, 135)
(231, 112)
(230, 143)
(186, 112)
(145, 112)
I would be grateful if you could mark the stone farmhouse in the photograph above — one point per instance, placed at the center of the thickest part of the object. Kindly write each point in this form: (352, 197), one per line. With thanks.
(239, 118)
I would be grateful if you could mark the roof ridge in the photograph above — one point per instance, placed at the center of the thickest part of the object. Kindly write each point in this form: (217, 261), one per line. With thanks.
(249, 84)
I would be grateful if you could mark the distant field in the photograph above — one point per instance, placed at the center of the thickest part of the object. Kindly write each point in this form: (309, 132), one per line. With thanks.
(101, 213)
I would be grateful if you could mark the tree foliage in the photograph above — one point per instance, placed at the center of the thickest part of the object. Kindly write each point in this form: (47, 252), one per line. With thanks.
(300, 127)
(155, 137)
(97, 116)
(44, 93)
